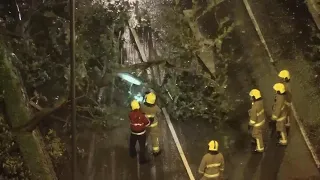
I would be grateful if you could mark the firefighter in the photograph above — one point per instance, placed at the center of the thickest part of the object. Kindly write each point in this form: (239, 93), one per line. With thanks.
(280, 112)
(145, 95)
(285, 79)
(150, 109)
(138, 126)
(212, 163)
(257, 119)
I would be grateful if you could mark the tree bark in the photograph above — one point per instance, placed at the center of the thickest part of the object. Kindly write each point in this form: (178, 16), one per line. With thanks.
(16, 107)
(33, 123)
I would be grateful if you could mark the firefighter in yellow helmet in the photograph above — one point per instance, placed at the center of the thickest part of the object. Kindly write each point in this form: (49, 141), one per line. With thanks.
(285, 79)
(280, 112)
(212, 163)
(257, 119)
(151, 110)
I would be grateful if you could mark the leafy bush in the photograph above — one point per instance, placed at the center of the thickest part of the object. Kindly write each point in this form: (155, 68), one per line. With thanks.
(12, 165)
(54, 146)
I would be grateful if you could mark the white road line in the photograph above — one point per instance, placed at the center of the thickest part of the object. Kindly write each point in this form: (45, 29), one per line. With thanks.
(256, 26)
(295, 114)
(305, 137)
(176, 140)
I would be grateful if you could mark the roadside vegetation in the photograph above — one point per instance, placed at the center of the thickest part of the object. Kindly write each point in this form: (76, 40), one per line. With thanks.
(34, 62)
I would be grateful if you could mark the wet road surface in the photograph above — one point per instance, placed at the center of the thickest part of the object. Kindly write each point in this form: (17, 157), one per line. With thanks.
(105, 156)
(295, 161)
(291, 162)
(117, 165)
(111, 160)
(283, 163)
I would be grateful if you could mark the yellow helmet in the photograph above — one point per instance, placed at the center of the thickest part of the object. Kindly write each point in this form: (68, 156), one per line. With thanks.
(279, 87)
(151, 98)
(255, 93)
(135, 105)
(213, 145)
(284, 74)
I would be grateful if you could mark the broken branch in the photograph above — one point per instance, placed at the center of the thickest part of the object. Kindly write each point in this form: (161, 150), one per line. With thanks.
(9, 33)
(38, 117)
(44, 112)
(39, 108)
(131, 68)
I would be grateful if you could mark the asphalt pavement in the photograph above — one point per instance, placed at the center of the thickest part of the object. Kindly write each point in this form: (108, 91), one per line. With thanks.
(111, 157)
(252, 70)
(119, 166)
(294, 161)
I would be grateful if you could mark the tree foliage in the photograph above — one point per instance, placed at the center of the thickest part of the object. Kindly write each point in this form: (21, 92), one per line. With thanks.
(37, 32)
(12, 164)
(39, 42)
(41, 49)
(196, 94)
(55, 147)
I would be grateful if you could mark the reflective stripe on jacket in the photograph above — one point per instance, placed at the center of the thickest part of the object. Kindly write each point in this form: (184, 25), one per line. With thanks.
(139, 133)
(150, 115)
(138, 122)
(150, 112)
(280, 109)
(257, 115)
(211, 165)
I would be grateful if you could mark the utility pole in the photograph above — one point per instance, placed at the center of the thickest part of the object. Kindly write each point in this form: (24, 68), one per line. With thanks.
(72, 87)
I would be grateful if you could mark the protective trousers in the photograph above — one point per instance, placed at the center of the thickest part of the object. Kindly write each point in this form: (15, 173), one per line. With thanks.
(142, 146)
(282, 131)
(154, 133)
(257, 134)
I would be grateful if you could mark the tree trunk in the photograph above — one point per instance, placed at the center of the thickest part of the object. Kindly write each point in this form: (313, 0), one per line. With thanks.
(16, 108)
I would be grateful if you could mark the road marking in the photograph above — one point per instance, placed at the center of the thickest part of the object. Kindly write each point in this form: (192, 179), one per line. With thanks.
(295, 114)
(176, 140)
(305, 137)
(256, 26)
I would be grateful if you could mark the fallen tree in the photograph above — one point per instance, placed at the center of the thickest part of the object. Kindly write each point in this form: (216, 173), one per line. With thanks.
(17, 113)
